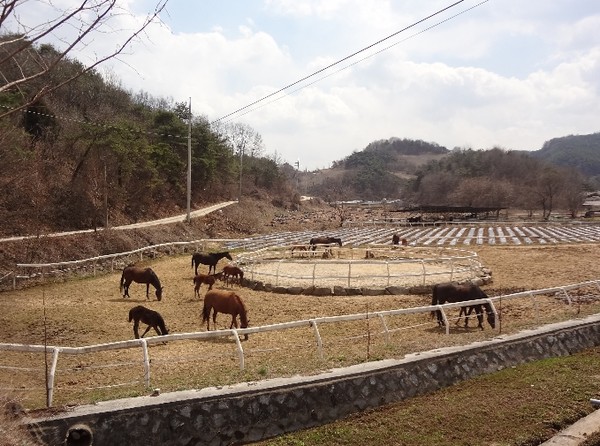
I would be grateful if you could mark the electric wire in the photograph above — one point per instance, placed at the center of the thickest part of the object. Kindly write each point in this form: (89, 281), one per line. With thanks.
(339, 61)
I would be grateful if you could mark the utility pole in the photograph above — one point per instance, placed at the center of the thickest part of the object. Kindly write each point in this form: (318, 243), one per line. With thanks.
(189, 166)
(241, 158)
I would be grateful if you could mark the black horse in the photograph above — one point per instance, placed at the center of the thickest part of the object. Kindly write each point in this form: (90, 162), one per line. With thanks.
(211, 259)
(149, 317)
(453, 292)
(324, 241)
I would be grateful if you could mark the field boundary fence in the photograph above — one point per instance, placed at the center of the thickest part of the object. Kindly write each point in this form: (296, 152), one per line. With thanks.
(313, 324)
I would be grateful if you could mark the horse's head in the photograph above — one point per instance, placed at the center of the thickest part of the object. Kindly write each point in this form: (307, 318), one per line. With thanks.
(338, 241)
(159, 293)
(491, 316)
(228, 256)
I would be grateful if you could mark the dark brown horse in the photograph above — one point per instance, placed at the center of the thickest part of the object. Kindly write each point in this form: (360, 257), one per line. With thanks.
(223, 301)
(324, 241)
(211, 259)
(149, 317)
(232, 273)
(139, 274)
(208, 279)
(395, 239)
(453, 292)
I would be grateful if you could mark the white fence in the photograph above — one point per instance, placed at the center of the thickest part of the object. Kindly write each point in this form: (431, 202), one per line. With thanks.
(29, 271)
(313, 324)
(365, 265)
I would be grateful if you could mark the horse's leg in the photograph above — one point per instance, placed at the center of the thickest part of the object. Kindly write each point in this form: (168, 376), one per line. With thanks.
(147, 290)
(197, 289)
(147, 330)
(126, 288)
(215, 318)
(460, 314)
(136, 325)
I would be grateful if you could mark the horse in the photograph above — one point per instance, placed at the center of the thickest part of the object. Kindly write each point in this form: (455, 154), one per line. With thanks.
(208, 279)
(149, 317)
(453, 292)
(395, 239)
(139, 274)
(211, 259)
(231, 272)
(223, 301)
(324, 240)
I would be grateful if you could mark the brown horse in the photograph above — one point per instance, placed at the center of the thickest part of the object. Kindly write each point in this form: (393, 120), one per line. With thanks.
(395, 239)
(222, 301)
(231, 273)
(324, 241)
(139, 274)
(208, 279)
(211, 259)
(453, 292)
(149, 317)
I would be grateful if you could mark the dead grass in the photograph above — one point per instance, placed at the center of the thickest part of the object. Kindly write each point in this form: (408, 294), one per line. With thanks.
(91, 311)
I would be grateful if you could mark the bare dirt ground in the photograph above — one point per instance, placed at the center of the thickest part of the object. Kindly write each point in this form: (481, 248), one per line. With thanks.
(88, 311)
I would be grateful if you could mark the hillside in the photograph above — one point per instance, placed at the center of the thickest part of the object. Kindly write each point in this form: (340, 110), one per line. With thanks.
(581, 152)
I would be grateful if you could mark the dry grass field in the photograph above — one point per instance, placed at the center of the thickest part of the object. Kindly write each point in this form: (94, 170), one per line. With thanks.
(88, 311)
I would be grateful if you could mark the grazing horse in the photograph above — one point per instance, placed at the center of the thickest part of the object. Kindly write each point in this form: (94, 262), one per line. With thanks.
(323, 241)
(208, 279)
(395, 239)
(453, 292)
(139, 274)
(211, 259)
(223, 301)
(231, 272)
(149, 317)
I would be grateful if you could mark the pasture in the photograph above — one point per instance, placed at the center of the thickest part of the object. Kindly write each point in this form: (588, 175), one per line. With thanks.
(92, 310)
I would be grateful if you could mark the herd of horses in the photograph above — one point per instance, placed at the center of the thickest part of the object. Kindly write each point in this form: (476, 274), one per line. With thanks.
(228, 302)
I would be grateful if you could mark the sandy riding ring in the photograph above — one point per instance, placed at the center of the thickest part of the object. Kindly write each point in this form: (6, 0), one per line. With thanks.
(355, 270)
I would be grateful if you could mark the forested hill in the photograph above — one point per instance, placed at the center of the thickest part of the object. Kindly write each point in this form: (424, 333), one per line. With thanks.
(579, 151)
(391, 153)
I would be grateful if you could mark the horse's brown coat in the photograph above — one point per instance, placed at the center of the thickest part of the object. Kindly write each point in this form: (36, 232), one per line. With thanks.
(223, 301)
(139, 274)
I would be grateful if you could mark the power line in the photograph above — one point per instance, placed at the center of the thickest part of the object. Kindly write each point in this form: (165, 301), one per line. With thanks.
(358, 61)
(339, 61)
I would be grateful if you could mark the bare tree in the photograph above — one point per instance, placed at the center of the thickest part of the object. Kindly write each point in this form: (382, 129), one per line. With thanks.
(243, 139)
(22, 62)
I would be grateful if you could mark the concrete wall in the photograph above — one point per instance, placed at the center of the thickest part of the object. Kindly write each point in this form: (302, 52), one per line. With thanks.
(254, 411)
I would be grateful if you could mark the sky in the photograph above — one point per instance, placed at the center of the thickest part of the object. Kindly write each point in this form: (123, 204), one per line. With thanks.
(481, 74)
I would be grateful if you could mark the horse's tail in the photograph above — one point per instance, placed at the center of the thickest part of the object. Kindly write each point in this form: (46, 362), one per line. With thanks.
(205, 311)
(192, 260)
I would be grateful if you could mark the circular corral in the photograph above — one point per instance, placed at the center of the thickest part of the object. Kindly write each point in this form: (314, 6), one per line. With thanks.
(364, 269)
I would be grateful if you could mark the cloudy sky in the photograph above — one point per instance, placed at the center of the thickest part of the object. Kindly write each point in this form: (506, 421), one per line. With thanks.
(507, 73)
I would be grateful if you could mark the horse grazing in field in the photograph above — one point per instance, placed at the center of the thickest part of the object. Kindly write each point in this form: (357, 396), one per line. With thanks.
(453, 292)
(324, 240)
(139, 274)
(223, 301)
(149, 317)
(395, 239)
(208, 279)
(231, 272)
(211, 259)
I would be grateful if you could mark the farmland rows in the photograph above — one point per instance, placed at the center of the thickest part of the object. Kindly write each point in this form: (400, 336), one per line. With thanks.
(436, 236)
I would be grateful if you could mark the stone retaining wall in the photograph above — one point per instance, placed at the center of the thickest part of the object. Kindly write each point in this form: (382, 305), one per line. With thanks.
(254, 411)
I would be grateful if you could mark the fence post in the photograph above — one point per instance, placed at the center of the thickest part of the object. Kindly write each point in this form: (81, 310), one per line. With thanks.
(240, 349)
(313, 274)
(566, 295)
(349, 273)
(52, 374)
(424, 271)
(387, 264)
(313, 324)
(535, 306)
(146, 362)
(385, 327)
